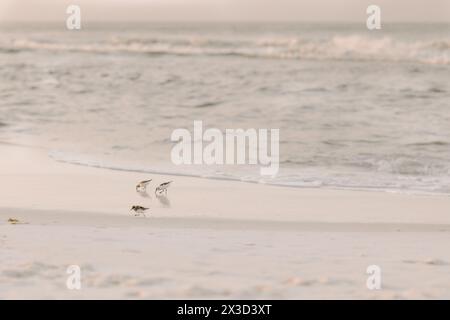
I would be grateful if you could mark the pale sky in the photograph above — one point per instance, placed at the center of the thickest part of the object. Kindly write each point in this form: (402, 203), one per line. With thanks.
(226, 10)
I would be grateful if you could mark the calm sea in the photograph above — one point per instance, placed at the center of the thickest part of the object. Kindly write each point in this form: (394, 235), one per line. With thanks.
(356, 109)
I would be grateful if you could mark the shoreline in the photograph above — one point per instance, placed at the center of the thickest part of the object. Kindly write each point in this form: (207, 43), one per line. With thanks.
(46, 164)
(272, 184)
(79, 188)
(334, 188)
(205, 239)
(407, 192)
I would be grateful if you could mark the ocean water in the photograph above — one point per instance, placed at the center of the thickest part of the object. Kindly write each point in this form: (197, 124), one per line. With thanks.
(356, 109)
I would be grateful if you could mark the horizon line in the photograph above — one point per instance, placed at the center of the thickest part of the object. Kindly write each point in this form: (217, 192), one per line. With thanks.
(228, 21)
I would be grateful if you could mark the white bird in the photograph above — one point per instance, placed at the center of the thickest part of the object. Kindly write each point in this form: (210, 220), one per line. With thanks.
(162, 188)
(139, 210)
(142, 186)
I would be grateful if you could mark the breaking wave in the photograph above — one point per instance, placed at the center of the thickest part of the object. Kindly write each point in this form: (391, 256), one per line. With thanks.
(349, 47)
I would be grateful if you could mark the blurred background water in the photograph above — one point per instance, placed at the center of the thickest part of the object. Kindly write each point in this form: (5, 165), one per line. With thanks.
(356, 109)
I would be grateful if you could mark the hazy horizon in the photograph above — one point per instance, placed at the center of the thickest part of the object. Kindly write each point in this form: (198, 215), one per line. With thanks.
(433, 11)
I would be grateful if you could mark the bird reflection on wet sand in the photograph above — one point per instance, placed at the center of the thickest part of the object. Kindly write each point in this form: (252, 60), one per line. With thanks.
(163, 200)
(144, 194)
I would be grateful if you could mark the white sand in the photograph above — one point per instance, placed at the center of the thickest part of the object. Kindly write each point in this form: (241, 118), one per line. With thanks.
(211, 239)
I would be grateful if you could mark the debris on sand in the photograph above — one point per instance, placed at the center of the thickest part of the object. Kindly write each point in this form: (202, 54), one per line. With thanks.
(14, 221)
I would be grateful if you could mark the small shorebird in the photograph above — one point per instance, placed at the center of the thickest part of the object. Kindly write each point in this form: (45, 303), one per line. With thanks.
(162, 188)
(139, 210)
(142, 186)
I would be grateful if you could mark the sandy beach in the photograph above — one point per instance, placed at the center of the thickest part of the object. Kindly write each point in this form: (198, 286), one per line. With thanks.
(305, 146)
(210, 238)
